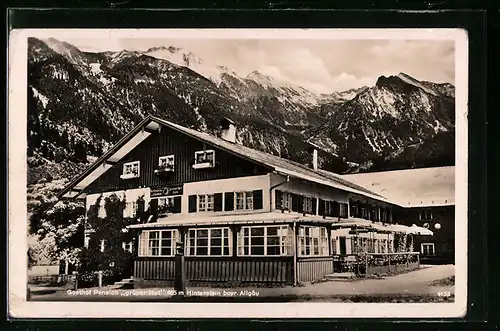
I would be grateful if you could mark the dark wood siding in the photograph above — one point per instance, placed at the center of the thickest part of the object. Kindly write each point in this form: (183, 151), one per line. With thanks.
(219, 269)
(183, 148)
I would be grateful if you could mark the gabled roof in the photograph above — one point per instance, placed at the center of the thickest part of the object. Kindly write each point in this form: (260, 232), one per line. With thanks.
(423, 187)
(152, 124)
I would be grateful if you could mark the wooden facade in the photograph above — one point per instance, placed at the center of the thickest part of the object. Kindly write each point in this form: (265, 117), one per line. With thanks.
(183, 147)
(209, 270)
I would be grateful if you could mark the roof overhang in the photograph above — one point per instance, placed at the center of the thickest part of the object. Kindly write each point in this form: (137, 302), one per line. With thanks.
(330, 184)
(111, 157)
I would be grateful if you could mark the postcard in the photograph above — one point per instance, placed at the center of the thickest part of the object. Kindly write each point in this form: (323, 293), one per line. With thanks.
(251, 173)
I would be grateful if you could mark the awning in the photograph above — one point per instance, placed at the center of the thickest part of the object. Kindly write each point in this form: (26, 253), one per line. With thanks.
(411, 229)
(275, 218)
(178, 220)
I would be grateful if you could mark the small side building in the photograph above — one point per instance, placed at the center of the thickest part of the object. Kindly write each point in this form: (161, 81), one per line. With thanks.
(426, 198)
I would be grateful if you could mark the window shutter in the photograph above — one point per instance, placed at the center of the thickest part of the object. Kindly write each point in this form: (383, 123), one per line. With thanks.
(154, 206)
(177, 208)
(257, 199)
(140, 208)
(143, 243)
(321, 207)
(314, 202)
(229, 201)
(277, 199)
(336, 209)
(295, 202)
(300, 202)
(218, 202)
(192, 204)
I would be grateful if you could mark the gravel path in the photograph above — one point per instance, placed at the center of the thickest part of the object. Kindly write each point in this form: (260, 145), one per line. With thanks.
(415, 283)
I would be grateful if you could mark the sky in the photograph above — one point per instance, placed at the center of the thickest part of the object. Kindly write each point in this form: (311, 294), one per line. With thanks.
(322, 66)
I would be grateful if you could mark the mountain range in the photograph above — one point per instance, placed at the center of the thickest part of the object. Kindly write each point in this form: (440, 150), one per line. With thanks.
(81, 103)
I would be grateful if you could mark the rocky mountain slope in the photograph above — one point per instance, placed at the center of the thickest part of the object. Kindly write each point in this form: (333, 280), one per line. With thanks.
(80, 103)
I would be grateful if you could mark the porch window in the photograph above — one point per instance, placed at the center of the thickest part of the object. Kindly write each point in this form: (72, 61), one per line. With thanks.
(390, 246)
(130, 170)
(161, 243)
(243, 200)
(205, 202)
(271, 240)
(209, 242)
(383, 246)
(204, 159)
(313, 241)
(427, 249)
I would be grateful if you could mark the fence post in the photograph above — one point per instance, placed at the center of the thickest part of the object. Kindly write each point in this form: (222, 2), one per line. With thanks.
(99, 278)
(75, 273)
(389, 263)
(366, 264)
(180, 276)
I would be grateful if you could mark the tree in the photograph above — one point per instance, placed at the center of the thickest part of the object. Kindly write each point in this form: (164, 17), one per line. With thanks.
(110, 230)
(55, 227)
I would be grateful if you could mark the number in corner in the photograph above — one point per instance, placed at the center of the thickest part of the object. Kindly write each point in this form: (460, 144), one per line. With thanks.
(444, 294)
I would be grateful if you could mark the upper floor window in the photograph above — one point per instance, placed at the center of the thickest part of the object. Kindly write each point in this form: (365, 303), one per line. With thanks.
(308, 205)
(205, 202)
(101, 211)
(130, 209)
(244, 200)
(427, 249)
(425, 215)
(204, 159)
(131, 170)
(283, 200)
(343, 210)
(102, 245)
(166, 164)
(128, 246)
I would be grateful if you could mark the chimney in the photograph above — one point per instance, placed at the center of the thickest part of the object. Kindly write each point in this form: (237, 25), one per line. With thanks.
(228, 130)
(315, 159)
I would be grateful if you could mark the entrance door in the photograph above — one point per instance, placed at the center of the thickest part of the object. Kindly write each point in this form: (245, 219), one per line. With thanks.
(343, 246)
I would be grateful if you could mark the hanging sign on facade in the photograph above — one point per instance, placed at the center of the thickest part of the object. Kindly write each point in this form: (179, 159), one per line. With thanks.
(167, 190)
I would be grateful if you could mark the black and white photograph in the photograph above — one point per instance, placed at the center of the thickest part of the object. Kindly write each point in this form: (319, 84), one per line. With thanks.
(304, 173)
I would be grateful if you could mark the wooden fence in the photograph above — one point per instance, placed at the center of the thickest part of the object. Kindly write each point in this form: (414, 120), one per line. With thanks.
(315, 268)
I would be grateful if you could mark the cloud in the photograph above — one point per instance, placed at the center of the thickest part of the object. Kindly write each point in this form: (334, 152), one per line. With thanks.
(322, 66)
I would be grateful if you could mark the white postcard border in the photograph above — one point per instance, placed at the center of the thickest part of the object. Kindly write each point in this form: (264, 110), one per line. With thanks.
(17, 210)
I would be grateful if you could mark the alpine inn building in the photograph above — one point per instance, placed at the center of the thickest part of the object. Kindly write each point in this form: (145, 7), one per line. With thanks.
(243, 216)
